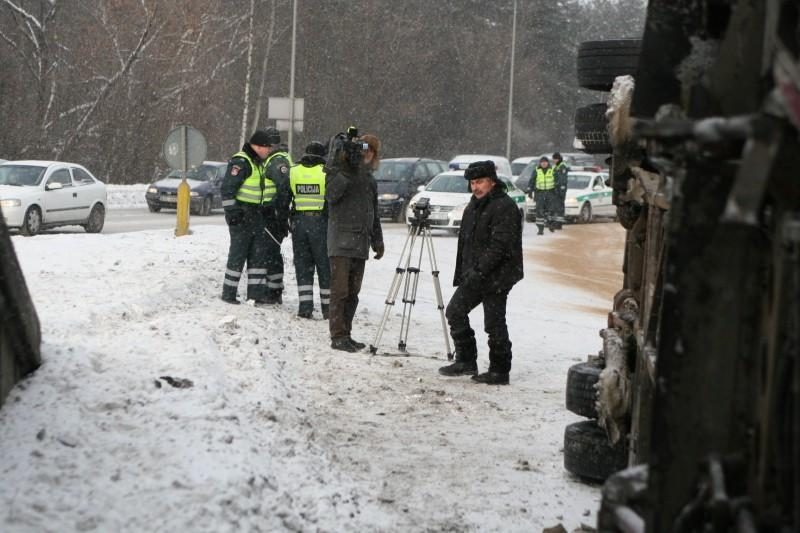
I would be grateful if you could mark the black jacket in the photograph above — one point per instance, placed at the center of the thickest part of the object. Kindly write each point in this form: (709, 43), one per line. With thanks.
(490, 241)
(353, 221)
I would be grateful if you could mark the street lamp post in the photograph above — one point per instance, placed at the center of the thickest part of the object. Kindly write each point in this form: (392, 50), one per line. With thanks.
(511, 82)
(291, 75)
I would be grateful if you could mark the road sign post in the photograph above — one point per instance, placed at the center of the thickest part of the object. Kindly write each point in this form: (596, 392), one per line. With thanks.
(184, 148)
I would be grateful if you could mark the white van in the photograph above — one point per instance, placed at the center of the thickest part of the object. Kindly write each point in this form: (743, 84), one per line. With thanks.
(461, 162)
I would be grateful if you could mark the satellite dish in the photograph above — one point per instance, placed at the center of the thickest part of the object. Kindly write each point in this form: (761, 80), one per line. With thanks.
(185, 148)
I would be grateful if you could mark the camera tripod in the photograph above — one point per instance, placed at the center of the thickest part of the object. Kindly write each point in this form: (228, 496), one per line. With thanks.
(407, 276)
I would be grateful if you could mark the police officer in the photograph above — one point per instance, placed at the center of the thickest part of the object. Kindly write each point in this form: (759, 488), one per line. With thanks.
(276, 215)
(244, 190)
(543, 184)
(560, 173)
(309, 225)
(488, 264)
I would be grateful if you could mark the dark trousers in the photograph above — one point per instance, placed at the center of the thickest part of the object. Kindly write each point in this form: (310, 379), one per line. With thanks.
(310, 247)
(346, 276)
(273, 259)
(561, 195)
(546, 206)
(247, 246)
(464, 300)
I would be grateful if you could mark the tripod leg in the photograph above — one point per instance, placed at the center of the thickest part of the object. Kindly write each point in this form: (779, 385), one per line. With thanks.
(438, 289)
(410, 292)
(400, 271)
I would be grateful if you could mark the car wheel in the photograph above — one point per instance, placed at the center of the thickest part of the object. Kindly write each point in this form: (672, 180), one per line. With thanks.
(586, 213)
(32, 223)
(401, 214)
(153, 208)
(588, 454)
(600, 62)
(97, 219)
(205, 209)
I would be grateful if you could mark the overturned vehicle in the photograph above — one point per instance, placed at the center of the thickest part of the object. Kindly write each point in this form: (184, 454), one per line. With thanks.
(693, 402)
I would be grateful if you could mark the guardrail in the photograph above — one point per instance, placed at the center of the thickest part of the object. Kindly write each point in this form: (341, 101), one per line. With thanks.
(20, 334)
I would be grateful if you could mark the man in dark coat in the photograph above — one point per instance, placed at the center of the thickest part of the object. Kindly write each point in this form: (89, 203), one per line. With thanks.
(276, 218)
(353, 227)
(561, 177)
(488, 264)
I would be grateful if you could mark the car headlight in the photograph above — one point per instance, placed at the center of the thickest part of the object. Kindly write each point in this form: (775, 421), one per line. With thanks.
(11, 202)
(388, 196)
(152, 190)
(458, 210)
(194, 193)
(571, 202)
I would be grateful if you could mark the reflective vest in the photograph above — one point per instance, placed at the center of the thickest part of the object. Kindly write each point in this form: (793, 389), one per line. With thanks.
(308, 187)
(251, 191)
(545, 179)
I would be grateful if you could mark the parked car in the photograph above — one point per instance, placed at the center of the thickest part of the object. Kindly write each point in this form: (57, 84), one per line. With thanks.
(398, 180)
(461, 162)
(519, 164)
(587, 196)
(37, 195)
(204, 182)
(448, 195)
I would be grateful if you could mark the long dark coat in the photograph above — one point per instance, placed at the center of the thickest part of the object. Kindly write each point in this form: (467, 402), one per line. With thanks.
(353, 221)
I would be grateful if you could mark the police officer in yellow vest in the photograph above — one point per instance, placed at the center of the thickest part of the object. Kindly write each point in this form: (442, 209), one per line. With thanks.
(245, 190)
(309, 224)
(544, 188)
(276, 217)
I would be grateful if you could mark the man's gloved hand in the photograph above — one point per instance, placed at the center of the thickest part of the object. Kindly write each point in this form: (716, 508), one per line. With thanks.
(267, 211)
(234, 217)
(378, 249)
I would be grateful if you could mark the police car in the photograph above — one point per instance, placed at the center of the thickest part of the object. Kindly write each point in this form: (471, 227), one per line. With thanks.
(448, 195)
(588, 196)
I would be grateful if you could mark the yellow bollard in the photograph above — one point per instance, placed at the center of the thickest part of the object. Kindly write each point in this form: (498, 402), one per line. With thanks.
(182, 227)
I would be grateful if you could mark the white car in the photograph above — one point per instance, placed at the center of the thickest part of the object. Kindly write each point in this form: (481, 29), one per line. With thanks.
(35, 195)
(461, 162)
(448, 194)
(588, 196)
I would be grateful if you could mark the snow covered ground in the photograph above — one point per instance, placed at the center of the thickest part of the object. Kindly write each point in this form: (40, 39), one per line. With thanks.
(160, 408)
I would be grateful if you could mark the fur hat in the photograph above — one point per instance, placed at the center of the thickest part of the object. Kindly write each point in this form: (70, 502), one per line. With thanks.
(316, 148)
(481, 169)
(265, 137)
(375, 145)
(557, 155)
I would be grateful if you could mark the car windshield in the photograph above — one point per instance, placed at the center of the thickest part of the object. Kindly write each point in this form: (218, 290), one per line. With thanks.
(448, 183)
(393, 171)
(21, 175)
(517, 168)
(201, 173)
(578, 181)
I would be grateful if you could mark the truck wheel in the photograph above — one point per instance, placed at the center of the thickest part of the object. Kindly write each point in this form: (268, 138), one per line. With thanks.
(599, 62)
(581, 393)
(587, 453)
(591, 129)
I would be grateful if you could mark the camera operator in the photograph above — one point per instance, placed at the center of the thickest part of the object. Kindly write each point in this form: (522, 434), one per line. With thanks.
(488, 264)
(353, 227)
(244, 192)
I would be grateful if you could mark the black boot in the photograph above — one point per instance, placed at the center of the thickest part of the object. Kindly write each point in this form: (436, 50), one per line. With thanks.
(359, 345)
(541, 229)
(230, 300)
(460, 368)
(343, 344)
(492, 378)
(305, 313)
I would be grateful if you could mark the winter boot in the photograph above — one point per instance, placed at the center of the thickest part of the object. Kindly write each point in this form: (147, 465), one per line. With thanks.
(460, 368)
(492, 378)
(359, 345)
(305, 313)
(343, 344)
(230, 300)
(541, 229)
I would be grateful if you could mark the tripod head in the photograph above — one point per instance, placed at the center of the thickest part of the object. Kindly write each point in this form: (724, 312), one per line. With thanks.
(422, 210)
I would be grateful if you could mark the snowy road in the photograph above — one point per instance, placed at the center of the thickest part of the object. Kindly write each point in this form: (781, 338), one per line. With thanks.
(277, 432)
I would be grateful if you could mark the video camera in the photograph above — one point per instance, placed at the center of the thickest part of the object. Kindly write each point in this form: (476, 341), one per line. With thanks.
(422, 210)
(345, 149)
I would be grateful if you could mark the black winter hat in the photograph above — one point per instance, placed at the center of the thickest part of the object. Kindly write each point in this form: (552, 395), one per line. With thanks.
(480, 169)
(265, 137)
(316, 148)
(557, 155)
